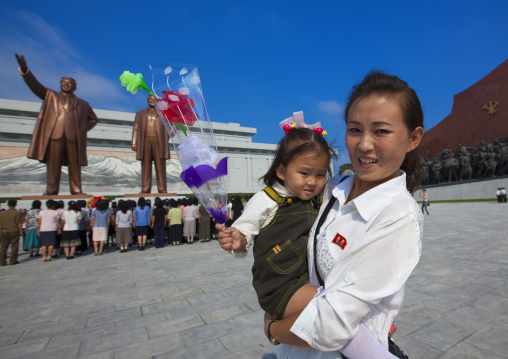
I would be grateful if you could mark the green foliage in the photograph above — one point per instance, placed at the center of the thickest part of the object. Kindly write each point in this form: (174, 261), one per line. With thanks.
(344, 167)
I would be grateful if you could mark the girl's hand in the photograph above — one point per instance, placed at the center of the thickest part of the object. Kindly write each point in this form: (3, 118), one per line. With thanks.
(230, 239)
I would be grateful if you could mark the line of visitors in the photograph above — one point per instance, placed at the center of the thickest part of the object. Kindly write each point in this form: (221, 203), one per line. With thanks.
(55, 230)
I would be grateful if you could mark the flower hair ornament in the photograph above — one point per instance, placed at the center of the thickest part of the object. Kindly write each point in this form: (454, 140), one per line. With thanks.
(296, 121)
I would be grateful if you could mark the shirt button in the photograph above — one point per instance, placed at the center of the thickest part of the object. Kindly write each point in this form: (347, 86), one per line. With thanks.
(349, 278)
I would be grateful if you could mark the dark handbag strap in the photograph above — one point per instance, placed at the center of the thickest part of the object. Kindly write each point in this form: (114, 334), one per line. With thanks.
(318, 227)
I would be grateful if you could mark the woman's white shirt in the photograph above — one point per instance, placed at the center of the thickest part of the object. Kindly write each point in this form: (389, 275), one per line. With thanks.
(366, 250)
(71, 220)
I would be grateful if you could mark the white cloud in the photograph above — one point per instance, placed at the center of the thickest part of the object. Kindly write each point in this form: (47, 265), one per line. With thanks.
(330, 107)
(50, 55)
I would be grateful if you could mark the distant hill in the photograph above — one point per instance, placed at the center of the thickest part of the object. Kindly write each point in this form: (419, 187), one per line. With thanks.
(469, 122)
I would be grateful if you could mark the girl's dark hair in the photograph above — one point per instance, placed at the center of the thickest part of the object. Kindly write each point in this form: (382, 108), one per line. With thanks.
(51, 204)
(381, 84)
(36, 204)
(159, 204)
(172, 203)
(123, 206)
(101, 205)
(296, 143)
(73, 206)
(179, 202)
(60, 204)
(141, 202)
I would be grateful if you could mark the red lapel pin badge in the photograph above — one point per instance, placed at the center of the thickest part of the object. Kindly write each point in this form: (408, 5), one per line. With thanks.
(339, 240)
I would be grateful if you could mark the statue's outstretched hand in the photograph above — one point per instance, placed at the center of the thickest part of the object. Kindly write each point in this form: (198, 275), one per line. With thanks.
(22, 62)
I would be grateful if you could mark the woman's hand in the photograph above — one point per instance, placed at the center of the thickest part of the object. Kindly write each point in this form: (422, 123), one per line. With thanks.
(268, 318)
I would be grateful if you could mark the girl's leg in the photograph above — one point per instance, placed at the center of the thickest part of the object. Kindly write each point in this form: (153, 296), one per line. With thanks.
(44, 250)
(140, 242)
(72, 251)
(66, 250)
(95, 245)
(50, 251)
(101, 249)
(144, 241)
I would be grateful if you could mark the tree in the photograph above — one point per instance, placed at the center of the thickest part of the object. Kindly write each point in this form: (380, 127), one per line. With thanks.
(344, 167)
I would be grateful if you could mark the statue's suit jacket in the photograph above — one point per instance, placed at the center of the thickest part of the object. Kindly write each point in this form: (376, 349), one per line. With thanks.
(138, 135)
(82, 120)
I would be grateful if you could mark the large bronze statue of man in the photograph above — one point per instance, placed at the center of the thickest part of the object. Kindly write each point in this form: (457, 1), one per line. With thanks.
(60, 134)
(150, 140)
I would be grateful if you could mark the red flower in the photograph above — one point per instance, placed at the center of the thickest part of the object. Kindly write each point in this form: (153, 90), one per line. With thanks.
(177, 107)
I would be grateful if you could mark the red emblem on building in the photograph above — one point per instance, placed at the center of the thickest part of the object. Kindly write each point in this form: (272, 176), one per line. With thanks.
(340, 241)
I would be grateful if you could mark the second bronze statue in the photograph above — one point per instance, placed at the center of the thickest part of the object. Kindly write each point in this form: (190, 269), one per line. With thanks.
(150, 140)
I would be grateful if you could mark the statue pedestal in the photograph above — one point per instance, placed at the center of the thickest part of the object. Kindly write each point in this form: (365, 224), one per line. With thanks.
(58, 196)
(150, 195)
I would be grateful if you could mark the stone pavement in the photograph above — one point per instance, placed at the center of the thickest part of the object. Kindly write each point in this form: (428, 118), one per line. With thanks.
(195, 301)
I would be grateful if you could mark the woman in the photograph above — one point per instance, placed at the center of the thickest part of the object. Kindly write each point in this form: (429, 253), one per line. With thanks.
(237, 208)
(123, 221)
(370, 240)
(101, 216)
(32, 239)
(189, 221)
(48, 227)
(159, 223)
(70, 235)
(174, 223)
(204, 224)
(141, 222)
(425, 201)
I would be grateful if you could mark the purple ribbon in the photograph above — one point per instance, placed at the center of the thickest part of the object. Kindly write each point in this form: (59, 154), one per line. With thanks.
(198, 176)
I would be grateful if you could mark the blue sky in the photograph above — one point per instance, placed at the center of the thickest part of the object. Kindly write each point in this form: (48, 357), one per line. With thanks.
(259, 61)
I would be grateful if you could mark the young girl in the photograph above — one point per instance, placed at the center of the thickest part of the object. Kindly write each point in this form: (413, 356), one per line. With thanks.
(278, 220)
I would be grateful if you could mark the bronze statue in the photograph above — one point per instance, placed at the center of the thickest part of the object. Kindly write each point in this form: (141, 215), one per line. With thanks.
(60, 133)
(150, 140)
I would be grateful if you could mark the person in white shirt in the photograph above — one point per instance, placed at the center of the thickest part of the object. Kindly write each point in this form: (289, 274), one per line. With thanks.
(70, 235)
(370, 240)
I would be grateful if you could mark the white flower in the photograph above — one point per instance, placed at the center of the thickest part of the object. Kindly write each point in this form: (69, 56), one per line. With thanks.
(183, 91)
(162, 105)
(183, 71)
(195, 79)
(168, 70)
(173, 98)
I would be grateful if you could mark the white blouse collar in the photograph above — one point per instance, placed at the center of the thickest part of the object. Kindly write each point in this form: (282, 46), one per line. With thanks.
(371, 201)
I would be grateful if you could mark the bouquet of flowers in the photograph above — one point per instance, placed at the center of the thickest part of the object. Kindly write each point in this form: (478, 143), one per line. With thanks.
(182, 109)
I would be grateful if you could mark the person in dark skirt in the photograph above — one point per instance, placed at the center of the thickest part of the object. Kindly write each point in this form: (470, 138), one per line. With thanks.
(70, 234)
(159, 223)
(174, 223)
(48, 225)
(141, 221)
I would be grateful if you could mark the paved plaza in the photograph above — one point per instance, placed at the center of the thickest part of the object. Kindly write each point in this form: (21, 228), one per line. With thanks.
(196, 301)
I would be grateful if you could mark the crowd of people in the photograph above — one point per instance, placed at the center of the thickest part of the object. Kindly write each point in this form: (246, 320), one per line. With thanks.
(124, 225)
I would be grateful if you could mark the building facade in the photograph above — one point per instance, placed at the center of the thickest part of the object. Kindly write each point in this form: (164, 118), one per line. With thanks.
(112, 166)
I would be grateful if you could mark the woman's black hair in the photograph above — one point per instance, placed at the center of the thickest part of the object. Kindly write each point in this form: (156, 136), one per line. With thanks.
(142, 202)
(101, 205)
(173, 203)
(297, 142)
(379, 83)
(123, 206)
(60, 204)
(51, 204)
(159, 204)
(36, 204)
(73, 206)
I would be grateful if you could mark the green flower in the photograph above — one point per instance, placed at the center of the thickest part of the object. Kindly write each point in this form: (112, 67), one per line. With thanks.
(133, 82)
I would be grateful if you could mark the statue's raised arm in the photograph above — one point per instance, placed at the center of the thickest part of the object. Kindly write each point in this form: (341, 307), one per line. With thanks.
(33, 84)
